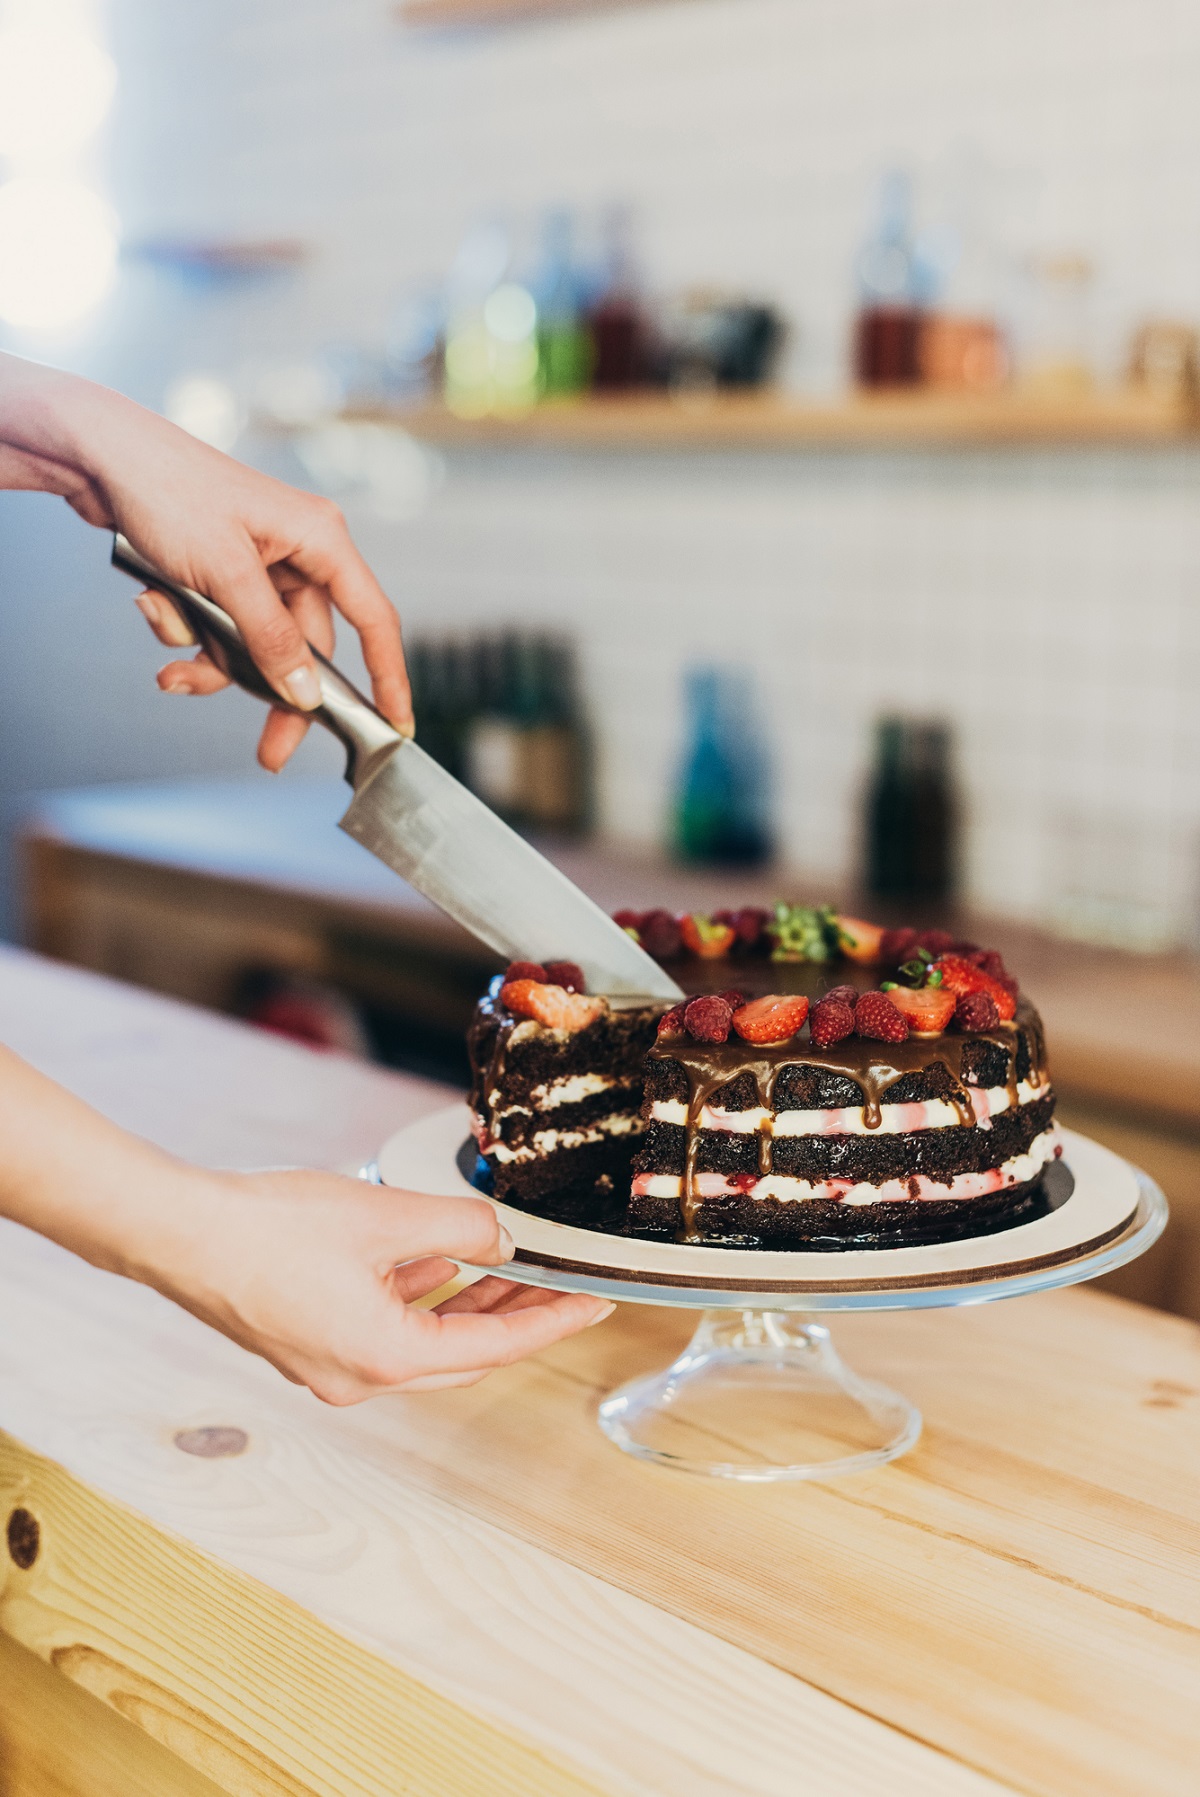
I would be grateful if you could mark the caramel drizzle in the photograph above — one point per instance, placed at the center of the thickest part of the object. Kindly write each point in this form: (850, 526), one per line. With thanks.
(873, 1066)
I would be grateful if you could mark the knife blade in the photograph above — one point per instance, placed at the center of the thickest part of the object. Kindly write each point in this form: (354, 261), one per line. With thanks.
(423, 823)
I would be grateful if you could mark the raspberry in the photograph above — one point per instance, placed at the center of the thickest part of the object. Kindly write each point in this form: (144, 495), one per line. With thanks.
(928, 1009)
(660, 935)
(963, 976)
(976, 1011)
(525, 970)
(567, 974)
(935, 942)
(993, 965)
(896, 946)
(733, 998)
(629, 920)
(968, 950)
(845, 995)
(671, 1022)
(775, 1018)
(748, 926)
(876, 1016)
(550, 1005)
(708, 1019)
(831, 1022)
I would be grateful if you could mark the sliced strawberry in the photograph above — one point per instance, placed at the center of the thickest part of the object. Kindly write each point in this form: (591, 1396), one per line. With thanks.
(552, 1006)
(860, 941)
(928, 1010)
(708, 940)
(775, 1018)
(960, 976)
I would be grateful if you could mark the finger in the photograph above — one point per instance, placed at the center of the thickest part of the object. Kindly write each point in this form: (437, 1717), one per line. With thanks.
(197, 677)
(281, 736)
(490, 1294)
(444, 1381)
(422, 1277)
(329, 559)
(167, 624)
(310, 607)
(416, 1225)
(457, 1343)
(240, 583)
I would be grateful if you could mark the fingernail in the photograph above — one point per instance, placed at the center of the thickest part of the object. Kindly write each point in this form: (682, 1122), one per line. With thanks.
(174, 686)
(148, 605)
(303, 689)
(507, 1246)
(407, 728)
(606, 1312)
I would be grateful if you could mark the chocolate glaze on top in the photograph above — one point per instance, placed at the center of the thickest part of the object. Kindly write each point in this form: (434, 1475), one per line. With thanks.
(873, 1066)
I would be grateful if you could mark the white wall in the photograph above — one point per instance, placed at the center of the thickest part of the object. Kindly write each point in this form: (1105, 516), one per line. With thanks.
(1047, 603)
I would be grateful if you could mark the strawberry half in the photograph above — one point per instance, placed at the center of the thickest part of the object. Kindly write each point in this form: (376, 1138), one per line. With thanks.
(928, 1010)
(775, 1018)
(552, 1006)
(860, 941)
(960, 976)
(708, 940)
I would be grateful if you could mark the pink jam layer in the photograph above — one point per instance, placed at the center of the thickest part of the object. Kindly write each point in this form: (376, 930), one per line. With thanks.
(918, 1186)
(901, 1119)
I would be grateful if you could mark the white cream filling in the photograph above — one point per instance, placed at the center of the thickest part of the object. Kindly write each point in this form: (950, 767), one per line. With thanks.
(571, 1090)
(549, 1141)
(895, 1119)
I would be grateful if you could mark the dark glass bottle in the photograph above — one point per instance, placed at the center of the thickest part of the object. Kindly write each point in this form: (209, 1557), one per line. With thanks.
(911, 813)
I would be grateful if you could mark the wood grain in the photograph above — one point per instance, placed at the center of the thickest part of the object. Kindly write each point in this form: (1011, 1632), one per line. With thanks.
(57, 1740)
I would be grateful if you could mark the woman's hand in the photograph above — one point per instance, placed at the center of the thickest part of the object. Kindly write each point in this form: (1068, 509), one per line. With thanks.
(278, 560)
(318, 1274)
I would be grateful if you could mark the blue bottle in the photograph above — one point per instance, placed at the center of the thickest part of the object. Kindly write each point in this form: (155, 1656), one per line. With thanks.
(722, 805)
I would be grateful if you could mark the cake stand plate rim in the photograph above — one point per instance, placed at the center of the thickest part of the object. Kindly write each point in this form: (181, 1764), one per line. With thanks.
(1112, 1201)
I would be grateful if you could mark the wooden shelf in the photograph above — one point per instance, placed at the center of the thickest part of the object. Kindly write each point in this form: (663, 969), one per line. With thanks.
(757, 421)
(492, 12)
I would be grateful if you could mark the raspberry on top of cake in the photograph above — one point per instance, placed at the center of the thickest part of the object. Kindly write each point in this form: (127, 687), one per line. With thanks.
(827, 1082)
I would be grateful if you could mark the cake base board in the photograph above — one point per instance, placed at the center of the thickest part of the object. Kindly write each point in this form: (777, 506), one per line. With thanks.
(1113, 1214)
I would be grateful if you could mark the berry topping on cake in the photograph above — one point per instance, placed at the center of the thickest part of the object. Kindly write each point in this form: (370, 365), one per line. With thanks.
(860, 941)
(935, 942)
(775, 1018)
(844, 995)
(976, 1011)
(928, 1009)
(552, 1006)
(708, 1019)
(748, 926)
(876, 1016)
(733, 998)
(660, 934)
(804, 933)
(671, 1022)
(961, 976)
(631, 921)
(831, 1022)
(896, 946)
(525, 970)
(566, 974)
(705, 937)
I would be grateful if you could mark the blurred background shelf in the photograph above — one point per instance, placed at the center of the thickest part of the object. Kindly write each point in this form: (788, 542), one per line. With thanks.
(753, 421)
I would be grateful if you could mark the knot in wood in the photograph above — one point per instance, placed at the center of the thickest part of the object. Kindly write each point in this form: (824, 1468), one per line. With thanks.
(24, 1538)
(213, 1443)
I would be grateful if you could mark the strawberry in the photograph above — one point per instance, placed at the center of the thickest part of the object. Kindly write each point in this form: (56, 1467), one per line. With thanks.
(567, 974)
(708, 940)
(671, 1022)
(859, 941)
(976, 1011)
(960, 976)
(525, 970)
(831, 1022)
(552, 1006)
(775, 1018)
(845, 995)
(708, 1018)
(928, 1010)
(659, 933)
(876, 1016)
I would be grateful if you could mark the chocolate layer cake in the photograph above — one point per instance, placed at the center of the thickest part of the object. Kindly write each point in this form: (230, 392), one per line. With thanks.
(913, 1110)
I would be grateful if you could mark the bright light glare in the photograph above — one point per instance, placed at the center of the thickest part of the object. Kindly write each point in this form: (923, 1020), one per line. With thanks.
(55, 88)
(206, 408)
(58, 250)
(510, 313)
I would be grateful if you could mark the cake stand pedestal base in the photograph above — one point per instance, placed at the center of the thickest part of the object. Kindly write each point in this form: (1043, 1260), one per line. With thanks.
(758, 1395)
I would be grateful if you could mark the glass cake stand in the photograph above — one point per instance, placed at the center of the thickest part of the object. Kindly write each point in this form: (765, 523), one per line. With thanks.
(760, 1392)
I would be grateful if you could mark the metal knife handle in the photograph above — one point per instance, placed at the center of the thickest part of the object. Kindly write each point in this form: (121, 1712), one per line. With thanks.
(364, 732)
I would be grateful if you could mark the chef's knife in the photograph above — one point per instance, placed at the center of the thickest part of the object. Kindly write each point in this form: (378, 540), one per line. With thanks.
(417, 818)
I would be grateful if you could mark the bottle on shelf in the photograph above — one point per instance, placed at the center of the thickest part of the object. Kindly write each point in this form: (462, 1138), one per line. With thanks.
(888, 328)
(721, 807)
(616, 314)
(911, 813)
(564, 343)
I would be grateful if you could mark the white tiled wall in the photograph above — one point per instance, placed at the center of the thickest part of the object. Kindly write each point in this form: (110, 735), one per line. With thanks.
(1047, 603)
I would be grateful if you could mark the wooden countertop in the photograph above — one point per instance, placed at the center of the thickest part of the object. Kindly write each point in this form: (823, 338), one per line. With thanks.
(472, 1592)
(1124, 1029)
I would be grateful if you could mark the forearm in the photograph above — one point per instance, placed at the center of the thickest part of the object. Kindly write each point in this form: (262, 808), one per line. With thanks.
(76, 1177)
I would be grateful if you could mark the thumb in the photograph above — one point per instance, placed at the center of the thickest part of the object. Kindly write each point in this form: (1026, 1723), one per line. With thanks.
(416, 1225)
